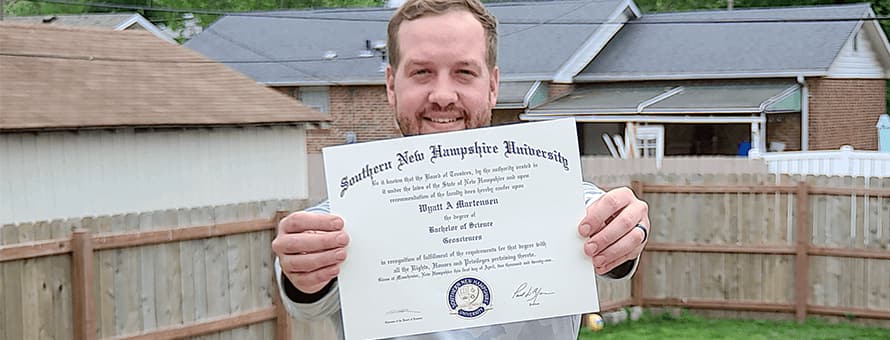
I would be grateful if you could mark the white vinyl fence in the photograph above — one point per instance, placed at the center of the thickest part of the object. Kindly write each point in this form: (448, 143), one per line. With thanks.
(843, 162)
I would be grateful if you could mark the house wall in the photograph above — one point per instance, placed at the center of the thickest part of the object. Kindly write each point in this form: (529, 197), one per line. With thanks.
(784, 128)
(844, 112)
(362, 110)
(505, 116)
(555, 91)
(859, 57)
(52, 175)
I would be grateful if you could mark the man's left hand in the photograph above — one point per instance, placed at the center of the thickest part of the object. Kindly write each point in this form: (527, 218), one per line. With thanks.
(610, 228)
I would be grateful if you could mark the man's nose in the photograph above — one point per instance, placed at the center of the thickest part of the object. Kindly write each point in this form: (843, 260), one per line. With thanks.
(443, 93)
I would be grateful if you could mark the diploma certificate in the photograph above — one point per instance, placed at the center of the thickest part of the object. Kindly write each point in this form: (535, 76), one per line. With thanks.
(461, 229)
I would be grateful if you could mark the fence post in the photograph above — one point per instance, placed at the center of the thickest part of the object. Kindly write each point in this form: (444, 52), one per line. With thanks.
(802, 260)
(82, 285)
(282, 318)
(636, 282)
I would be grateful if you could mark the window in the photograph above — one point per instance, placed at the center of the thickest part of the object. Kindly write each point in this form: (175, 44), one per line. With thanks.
(316, 97)
(649, 142)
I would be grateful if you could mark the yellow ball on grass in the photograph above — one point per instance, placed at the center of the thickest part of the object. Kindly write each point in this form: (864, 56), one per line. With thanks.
(594, 322)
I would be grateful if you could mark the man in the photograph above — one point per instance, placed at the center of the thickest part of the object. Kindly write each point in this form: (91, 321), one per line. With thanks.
(442, 76)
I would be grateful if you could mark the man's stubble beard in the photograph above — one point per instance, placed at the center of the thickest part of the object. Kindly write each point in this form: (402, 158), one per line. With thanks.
(404, 123)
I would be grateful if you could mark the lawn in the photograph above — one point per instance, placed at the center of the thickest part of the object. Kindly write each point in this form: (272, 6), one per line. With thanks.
(694, 327)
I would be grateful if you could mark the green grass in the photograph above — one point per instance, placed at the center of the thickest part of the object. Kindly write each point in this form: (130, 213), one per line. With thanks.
(693, 327)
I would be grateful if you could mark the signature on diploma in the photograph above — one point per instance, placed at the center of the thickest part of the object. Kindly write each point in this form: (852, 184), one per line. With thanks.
(530, 293)
(403, 311)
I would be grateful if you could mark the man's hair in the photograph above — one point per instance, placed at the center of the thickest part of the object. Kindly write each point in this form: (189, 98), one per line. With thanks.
(414, 9)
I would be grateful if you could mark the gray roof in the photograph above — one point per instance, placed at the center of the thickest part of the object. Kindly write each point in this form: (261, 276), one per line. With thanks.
(110, 20)
(527, 51)
(513, 94)
(675, 51)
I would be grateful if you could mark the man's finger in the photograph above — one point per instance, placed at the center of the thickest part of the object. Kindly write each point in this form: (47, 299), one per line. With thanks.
(302, 221)
(315, 280)
(300, 243)
(626, 248)
(306, 263)
(617, 228)
(604, 209)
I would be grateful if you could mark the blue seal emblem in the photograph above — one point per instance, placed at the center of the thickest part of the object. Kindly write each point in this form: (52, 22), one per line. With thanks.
(469, 297)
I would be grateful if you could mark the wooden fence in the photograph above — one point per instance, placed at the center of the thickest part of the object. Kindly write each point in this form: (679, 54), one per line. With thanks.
(805, 246)
(203, 272)
(817, 246)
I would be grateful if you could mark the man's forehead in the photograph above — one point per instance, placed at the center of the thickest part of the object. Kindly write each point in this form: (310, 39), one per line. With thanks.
(454, 16)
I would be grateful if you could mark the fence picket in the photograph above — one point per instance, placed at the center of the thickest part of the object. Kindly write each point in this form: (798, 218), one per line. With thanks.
(12, 277)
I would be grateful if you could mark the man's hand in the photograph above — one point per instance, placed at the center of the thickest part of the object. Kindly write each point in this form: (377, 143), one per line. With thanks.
(310, 247)
(610, 229)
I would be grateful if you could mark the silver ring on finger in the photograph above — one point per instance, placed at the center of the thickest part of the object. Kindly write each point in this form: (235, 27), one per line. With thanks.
(645, 231)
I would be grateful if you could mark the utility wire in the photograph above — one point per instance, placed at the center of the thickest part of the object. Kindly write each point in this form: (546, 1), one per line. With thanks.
(170, 61)
(517, 22)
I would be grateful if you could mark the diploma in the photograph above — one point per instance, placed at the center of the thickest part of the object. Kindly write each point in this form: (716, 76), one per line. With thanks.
(461, 229)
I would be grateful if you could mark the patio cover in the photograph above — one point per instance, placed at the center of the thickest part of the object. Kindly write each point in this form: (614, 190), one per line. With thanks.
(729, 102)
(519, 94)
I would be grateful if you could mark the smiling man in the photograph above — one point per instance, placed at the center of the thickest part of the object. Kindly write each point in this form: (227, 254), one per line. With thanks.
(443, 76)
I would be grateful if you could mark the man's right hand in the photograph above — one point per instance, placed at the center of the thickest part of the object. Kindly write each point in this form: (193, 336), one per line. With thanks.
(310, 248)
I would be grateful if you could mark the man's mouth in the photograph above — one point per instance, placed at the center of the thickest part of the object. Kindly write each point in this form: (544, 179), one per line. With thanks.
(443, 120)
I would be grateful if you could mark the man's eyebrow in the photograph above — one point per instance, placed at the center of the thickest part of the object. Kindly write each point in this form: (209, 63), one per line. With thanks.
(469, 63)
(414, 62)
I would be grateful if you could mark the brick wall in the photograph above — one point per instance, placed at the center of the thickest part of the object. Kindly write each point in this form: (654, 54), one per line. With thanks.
(845, 111)
(359, 109)
(785, 128)
(555, 91)
(505, 116)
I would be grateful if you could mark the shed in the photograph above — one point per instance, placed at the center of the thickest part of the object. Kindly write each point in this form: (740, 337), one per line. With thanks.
(96, 122)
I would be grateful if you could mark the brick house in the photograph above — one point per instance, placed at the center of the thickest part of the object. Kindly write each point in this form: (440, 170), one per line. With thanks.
(712, 87)
(708, 88)
(338, 68)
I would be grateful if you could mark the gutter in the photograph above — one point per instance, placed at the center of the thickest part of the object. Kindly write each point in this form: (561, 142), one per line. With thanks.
(804, 113)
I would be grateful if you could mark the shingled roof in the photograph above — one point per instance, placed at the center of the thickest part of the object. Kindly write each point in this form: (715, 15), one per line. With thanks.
(115, 21)
(649, 48)
(295, 42)
(69, 78)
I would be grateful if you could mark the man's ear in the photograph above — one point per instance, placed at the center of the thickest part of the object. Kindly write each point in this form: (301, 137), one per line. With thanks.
(493, 86)
(390, 85)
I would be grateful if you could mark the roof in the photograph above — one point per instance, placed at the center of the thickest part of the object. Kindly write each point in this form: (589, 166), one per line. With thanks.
(47, 81)
(720, 97)
(309, 35)
(728, 50)
(115, 21)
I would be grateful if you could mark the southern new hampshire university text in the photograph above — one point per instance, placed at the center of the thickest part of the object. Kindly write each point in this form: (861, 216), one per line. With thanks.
(438, 152)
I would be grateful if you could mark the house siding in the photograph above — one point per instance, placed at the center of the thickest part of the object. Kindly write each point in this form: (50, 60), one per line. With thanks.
(844, 112)
(859, 57)
(50, 175)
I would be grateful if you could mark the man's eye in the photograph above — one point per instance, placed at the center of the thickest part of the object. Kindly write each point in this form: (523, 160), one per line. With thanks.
(420, 72)
(467, 73)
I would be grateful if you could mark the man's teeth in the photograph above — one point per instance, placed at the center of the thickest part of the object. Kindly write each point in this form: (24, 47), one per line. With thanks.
(443, 120)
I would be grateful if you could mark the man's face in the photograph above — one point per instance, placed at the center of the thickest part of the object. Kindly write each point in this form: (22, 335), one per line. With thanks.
(442, 82)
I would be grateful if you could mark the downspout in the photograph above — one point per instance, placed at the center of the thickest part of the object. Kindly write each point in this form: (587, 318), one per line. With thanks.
(804, 114)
